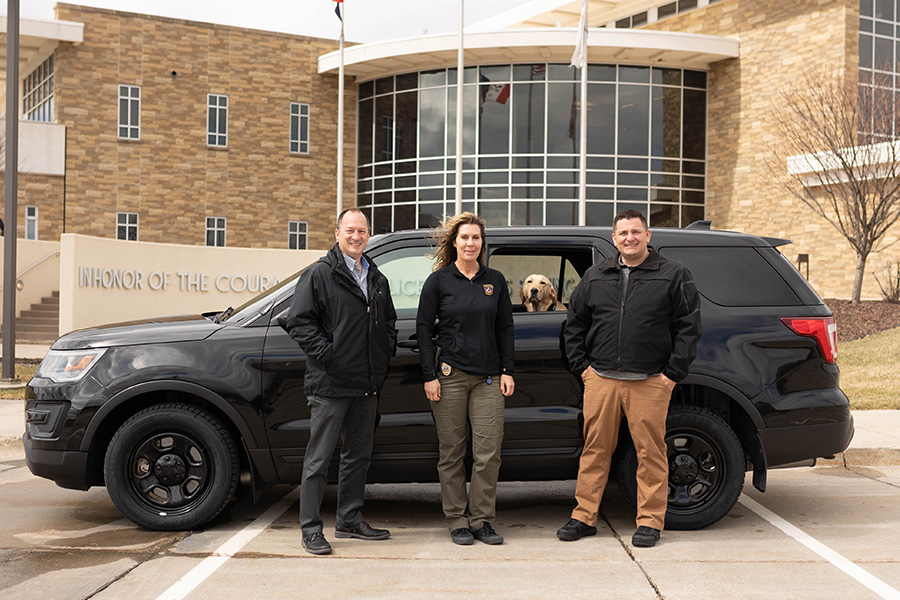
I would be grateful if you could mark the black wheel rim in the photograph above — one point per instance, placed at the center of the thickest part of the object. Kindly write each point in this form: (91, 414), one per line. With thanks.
(696, 470)
(169, 472)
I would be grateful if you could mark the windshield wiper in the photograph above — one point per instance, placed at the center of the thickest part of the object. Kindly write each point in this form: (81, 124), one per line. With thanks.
(223, 315)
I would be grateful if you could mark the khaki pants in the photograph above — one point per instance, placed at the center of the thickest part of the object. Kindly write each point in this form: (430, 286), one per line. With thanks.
(645, 404)
(468, 400)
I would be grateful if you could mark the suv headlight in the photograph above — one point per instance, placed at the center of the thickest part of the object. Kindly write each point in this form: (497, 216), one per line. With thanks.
(64, 366)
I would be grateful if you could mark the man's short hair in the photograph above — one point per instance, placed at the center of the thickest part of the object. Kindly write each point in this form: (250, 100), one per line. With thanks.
(630, 214)
(348, 210)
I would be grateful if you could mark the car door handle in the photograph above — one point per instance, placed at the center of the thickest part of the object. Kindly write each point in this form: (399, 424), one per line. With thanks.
(411, 344)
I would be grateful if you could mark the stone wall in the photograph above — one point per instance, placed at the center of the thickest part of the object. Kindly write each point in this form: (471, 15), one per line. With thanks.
(43, 191)
(779, 40)
(171, 178)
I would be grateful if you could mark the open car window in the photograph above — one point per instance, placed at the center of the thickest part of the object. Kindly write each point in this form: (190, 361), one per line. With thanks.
(563, 268)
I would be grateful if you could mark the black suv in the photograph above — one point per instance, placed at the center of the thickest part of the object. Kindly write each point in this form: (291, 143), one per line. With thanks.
(172, 415)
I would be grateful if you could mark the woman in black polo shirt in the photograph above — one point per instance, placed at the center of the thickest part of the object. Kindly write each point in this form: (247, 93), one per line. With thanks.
(470, 375)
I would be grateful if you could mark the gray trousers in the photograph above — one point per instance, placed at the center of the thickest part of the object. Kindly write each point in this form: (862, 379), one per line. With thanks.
(354, 420)
(469, 401)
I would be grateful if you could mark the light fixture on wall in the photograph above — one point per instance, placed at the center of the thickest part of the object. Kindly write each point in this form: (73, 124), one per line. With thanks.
(803, 261)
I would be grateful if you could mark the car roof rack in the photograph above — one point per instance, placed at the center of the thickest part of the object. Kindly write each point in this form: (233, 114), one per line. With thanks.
(700, 225)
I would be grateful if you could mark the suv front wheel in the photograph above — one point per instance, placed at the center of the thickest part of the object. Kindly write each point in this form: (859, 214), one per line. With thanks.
(171, 467)
(706, 468)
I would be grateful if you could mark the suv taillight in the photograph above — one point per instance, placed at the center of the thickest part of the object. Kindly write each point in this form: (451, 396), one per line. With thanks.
(823, 329)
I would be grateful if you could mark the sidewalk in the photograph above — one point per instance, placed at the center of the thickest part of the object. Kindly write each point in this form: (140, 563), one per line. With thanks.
(31, 350)
(876, 441)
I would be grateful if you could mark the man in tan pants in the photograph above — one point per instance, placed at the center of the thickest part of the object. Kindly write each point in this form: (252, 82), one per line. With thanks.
(632, 329)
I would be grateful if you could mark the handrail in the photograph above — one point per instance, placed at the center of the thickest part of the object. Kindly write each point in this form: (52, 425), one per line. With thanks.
(48, 257)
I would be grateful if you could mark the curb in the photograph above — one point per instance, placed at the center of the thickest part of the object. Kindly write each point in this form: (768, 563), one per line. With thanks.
(864, 457)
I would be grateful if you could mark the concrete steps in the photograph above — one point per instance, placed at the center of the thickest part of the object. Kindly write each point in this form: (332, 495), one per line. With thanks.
(40, 323)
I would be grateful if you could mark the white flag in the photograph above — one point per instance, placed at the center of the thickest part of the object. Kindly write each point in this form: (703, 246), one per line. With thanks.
(579, 57)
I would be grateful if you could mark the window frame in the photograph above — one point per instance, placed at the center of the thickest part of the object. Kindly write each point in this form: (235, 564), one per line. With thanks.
(127, 225)
(132, 124)
(217, 120)
(218, 228)
(38, 93)
(31, 222)
(295, 235)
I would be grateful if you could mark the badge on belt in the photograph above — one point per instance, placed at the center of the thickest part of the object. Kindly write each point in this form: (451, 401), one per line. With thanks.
(446, 369)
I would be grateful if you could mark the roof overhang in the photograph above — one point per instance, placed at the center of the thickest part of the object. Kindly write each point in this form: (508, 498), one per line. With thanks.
(378, 59)
(566, 13)
(37, 40)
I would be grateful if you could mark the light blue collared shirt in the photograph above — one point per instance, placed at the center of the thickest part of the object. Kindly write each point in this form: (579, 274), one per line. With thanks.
(360, 272)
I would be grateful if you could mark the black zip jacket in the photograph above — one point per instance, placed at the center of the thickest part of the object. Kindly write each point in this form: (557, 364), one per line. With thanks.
(348, 339)
(653, 329)
(475, 332)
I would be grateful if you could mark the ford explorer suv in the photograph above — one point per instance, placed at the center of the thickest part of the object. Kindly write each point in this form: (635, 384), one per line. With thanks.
(172, 415)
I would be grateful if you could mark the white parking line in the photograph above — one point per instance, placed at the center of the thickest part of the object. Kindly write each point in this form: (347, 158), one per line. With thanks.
(220, 556)
(856, 572)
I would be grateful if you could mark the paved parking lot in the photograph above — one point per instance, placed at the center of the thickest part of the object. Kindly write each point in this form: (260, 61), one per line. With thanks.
(823, 532)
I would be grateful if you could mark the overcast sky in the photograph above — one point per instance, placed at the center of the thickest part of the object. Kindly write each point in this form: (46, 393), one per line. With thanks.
(365, 20)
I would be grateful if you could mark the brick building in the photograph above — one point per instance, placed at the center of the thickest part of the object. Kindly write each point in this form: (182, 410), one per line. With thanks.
(680, 101)
(176, 131)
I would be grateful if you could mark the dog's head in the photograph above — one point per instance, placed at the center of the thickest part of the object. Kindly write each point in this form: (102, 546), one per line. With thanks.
(538, 293)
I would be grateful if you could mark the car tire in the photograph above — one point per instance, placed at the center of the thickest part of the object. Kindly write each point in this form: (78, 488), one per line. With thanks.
(706, 468)
(171, 467)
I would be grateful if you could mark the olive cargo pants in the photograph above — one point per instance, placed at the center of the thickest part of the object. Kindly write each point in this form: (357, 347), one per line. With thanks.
(469, 400)
(645, 403)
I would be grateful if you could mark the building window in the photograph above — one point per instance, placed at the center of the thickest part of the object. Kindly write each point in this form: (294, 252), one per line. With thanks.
(37, 93)
(31, 222)
(217, 120)
(215, 231)
(297, 235)
(521, 145)
(127, 226)
(879, 56)
(299, 128)
(129, 112)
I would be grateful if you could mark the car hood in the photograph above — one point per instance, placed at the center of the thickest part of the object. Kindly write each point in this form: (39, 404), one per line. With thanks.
(148, 331)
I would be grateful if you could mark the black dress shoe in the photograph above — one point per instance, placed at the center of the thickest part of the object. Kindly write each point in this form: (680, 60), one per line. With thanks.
(575, 530)
(645, 537)
(362, 531)
(315, 543)
(486, 534)
(462, 536)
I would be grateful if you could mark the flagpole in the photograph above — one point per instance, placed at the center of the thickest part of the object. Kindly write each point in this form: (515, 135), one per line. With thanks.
(340, 125)
(457, 208)
(582, 171)
(582, 164)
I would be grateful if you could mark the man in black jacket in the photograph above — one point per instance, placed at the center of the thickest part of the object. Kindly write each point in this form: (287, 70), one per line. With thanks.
(343, 318)
(631, 333)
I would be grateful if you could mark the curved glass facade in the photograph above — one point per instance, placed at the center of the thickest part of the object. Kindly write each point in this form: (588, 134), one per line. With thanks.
(646, 145)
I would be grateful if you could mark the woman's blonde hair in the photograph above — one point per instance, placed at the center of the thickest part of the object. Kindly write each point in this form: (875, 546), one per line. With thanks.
(445, 237)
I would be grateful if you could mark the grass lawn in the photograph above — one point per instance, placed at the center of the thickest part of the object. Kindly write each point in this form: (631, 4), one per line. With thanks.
(25, 373)
(870, 370)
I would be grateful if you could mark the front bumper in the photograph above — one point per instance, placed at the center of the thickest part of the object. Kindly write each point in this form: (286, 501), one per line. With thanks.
(67, 469)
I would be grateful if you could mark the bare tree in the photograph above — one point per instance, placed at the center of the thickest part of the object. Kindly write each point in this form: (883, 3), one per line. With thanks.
(839, 143)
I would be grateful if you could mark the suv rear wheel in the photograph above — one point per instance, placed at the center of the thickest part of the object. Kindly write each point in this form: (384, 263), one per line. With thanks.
(171, 467)
(706, 468)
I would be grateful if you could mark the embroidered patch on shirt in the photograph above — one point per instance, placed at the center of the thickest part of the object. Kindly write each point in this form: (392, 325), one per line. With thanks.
(488, 289)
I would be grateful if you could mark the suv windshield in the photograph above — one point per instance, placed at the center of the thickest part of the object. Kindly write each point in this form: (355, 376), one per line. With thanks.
(258, 305)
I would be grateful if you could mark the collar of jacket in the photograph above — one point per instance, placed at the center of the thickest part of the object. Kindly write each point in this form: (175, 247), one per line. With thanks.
(455, 270)
(335, 259)
(651, 262)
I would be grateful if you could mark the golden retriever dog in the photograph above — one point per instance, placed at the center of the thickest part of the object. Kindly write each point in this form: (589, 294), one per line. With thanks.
(539, 295)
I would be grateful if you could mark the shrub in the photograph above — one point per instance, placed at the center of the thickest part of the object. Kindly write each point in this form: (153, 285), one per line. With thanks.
(890, 289)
